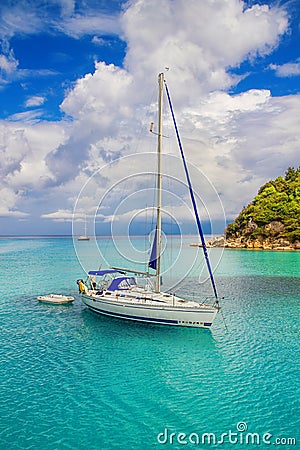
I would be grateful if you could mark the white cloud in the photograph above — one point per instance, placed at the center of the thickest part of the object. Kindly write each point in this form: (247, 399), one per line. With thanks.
(99, 41)
(101, 107)
(27, 17)
(101, 95)
(8, 204)
(67, 7)
(241, 142)
(24, 175)
(18, 18)
(79, 25)
(198, 42)
(35, 100)
(8, 64)
(62, 215)
(286, 70)
(28, 117)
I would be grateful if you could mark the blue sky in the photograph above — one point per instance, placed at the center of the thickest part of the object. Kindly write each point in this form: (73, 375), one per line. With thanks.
(78, 90)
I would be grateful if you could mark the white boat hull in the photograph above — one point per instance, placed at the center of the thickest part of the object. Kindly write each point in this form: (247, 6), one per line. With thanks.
(166, 314)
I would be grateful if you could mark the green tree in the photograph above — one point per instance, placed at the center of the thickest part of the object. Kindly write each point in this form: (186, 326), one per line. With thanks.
(277, 202)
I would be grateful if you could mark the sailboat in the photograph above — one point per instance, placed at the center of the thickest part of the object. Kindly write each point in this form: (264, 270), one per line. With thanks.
(84, 237)
(120, 293)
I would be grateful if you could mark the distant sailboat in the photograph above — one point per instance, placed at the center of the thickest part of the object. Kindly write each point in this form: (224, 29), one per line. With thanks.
(120, 293)
(84, 237)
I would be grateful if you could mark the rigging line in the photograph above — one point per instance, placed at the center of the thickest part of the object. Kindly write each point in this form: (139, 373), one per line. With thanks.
(224, 321)
(192, 196)
(145, 237)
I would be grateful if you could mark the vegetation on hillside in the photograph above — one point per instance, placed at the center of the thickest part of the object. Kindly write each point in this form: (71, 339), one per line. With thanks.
(274, 212)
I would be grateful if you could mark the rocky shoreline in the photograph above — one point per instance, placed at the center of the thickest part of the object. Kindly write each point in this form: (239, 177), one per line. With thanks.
(259, 243)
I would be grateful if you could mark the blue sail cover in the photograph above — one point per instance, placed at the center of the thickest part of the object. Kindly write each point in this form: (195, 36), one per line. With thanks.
(100, 273)
(153, 256)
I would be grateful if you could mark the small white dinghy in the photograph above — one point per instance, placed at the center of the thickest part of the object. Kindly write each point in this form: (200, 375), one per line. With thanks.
(55, 298)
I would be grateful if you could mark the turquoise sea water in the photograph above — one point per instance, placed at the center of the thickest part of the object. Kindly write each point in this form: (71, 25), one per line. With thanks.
(74, 380)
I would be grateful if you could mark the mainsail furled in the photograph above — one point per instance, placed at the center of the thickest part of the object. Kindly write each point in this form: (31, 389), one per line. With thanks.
(153, 257)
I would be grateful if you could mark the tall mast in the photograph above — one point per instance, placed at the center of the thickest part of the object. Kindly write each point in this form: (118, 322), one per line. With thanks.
(159, 180)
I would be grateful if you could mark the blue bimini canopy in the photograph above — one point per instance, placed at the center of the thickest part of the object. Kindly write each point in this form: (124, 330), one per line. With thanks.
(100, 273)
(122, 283)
